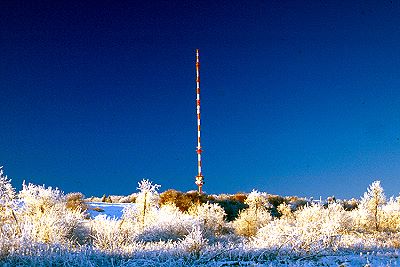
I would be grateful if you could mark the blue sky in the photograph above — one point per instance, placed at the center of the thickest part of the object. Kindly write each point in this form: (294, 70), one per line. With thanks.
(298, 97)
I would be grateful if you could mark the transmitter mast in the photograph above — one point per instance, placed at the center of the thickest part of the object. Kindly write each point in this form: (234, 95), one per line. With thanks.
(199, 178)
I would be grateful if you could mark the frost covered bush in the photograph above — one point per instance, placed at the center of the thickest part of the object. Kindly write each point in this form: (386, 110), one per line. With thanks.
(75, 201)
(254, 217)
(9, 228)
(137, 219)
(285, 211)
(140, 222)
(321, 227)
(7, 201)
(275, 200)
(297, 202)
(194, 242)
(153, 223)
(144, 213)
(37, 198)
(169, 224)
(241, 197)
(110, 234)
(310, 229)
(177, 198)
(209, 217)
(391, 216)
(231, 204)
(7, 192)
(197, 199)
(350, 204)
(44, 216)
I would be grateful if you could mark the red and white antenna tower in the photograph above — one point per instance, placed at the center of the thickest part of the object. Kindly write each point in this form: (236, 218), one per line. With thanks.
(199, 178)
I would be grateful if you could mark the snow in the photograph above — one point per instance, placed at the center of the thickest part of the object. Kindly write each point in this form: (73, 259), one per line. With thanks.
(112, 210)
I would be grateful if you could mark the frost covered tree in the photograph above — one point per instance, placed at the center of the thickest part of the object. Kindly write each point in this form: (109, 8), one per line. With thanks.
(254, 217)
(146, 202)
(147, 198)
(9, 228)
(371, 204)
(7, 192)
(7, 197)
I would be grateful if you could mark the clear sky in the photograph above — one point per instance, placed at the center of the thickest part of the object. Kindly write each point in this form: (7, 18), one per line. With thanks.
(298, 97)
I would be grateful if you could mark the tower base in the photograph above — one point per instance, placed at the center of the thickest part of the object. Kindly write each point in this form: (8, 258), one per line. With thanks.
(199, 182)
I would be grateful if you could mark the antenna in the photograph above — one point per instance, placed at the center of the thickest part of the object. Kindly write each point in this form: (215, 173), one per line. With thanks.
(199, 178)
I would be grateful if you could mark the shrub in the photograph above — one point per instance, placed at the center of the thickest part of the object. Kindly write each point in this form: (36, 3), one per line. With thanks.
(297, 202)
(232, 207)
(285, 211)
(169, 224)
(75, 201)
(254, 217)
(194, 242)
(311, 230)
(45, 217)
(210, 218)
(275, 200)
(197, 198)
(110, 234)
(38, 199)
(321, 227)
(184, 201)
(7, 192)
(390, 221)
(350, 205)
(9, 228)
(241, 197)
(177, 198)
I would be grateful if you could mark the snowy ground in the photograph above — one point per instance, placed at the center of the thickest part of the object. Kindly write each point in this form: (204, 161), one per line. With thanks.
(112, 210)
(89, 257)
